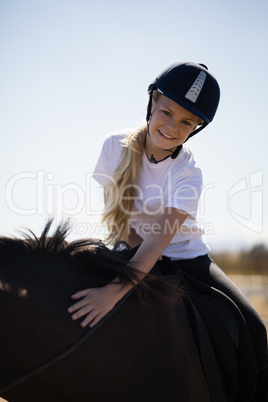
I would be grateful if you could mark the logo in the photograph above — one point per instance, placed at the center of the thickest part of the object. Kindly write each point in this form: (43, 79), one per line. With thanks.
(245, 201)
(196, 88)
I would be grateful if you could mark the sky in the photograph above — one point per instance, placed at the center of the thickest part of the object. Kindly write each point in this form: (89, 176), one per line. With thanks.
(72, 72)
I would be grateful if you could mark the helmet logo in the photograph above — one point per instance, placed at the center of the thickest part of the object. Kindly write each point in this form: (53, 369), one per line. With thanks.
(196, 88)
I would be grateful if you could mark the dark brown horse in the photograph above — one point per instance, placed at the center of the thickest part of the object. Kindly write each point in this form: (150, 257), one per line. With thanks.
(143, 350)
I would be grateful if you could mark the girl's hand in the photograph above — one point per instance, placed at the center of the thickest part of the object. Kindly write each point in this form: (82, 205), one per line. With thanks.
(95, 303)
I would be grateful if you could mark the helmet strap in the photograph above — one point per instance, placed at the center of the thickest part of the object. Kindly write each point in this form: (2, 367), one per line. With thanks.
(196, 131)
(173, 154)
(149, 108)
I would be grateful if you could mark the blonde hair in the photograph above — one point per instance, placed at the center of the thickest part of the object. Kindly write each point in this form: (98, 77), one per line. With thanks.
(120, 192)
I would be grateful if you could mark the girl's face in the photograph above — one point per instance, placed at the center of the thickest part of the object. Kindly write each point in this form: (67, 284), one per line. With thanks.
(170, 125)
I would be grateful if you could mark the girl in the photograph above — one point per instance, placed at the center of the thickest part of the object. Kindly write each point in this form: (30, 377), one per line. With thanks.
(151, 187)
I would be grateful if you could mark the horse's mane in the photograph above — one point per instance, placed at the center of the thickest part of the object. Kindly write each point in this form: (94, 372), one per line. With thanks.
(30, 244)
(91, 253)
(55, 245)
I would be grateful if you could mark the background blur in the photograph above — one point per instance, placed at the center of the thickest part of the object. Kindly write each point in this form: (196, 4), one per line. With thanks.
(72, 72)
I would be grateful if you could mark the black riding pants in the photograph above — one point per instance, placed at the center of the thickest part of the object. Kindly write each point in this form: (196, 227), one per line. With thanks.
(206, 271)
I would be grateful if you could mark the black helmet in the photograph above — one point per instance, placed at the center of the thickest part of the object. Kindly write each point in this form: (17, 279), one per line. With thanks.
(190, 85)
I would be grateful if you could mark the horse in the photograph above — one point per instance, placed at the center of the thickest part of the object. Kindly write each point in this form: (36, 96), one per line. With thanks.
(145, 349)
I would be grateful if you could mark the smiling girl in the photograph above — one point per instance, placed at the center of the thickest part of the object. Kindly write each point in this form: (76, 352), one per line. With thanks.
(152, 185)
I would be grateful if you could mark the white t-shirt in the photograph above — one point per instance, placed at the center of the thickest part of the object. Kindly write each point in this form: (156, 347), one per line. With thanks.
(171, 183)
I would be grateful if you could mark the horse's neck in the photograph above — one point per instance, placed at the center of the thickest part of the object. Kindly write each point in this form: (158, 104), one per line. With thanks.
(35, 297)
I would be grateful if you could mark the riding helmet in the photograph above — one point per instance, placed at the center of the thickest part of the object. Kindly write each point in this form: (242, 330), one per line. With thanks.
(190, 85)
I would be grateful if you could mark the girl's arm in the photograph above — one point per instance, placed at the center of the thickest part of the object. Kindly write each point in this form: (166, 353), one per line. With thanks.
(133, 238)
(156, 242)
(95, 303)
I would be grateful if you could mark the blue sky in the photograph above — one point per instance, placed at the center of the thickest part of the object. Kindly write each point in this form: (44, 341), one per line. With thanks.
(74, 71)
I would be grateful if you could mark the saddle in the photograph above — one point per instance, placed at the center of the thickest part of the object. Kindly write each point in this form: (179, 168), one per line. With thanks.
(223, 341)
